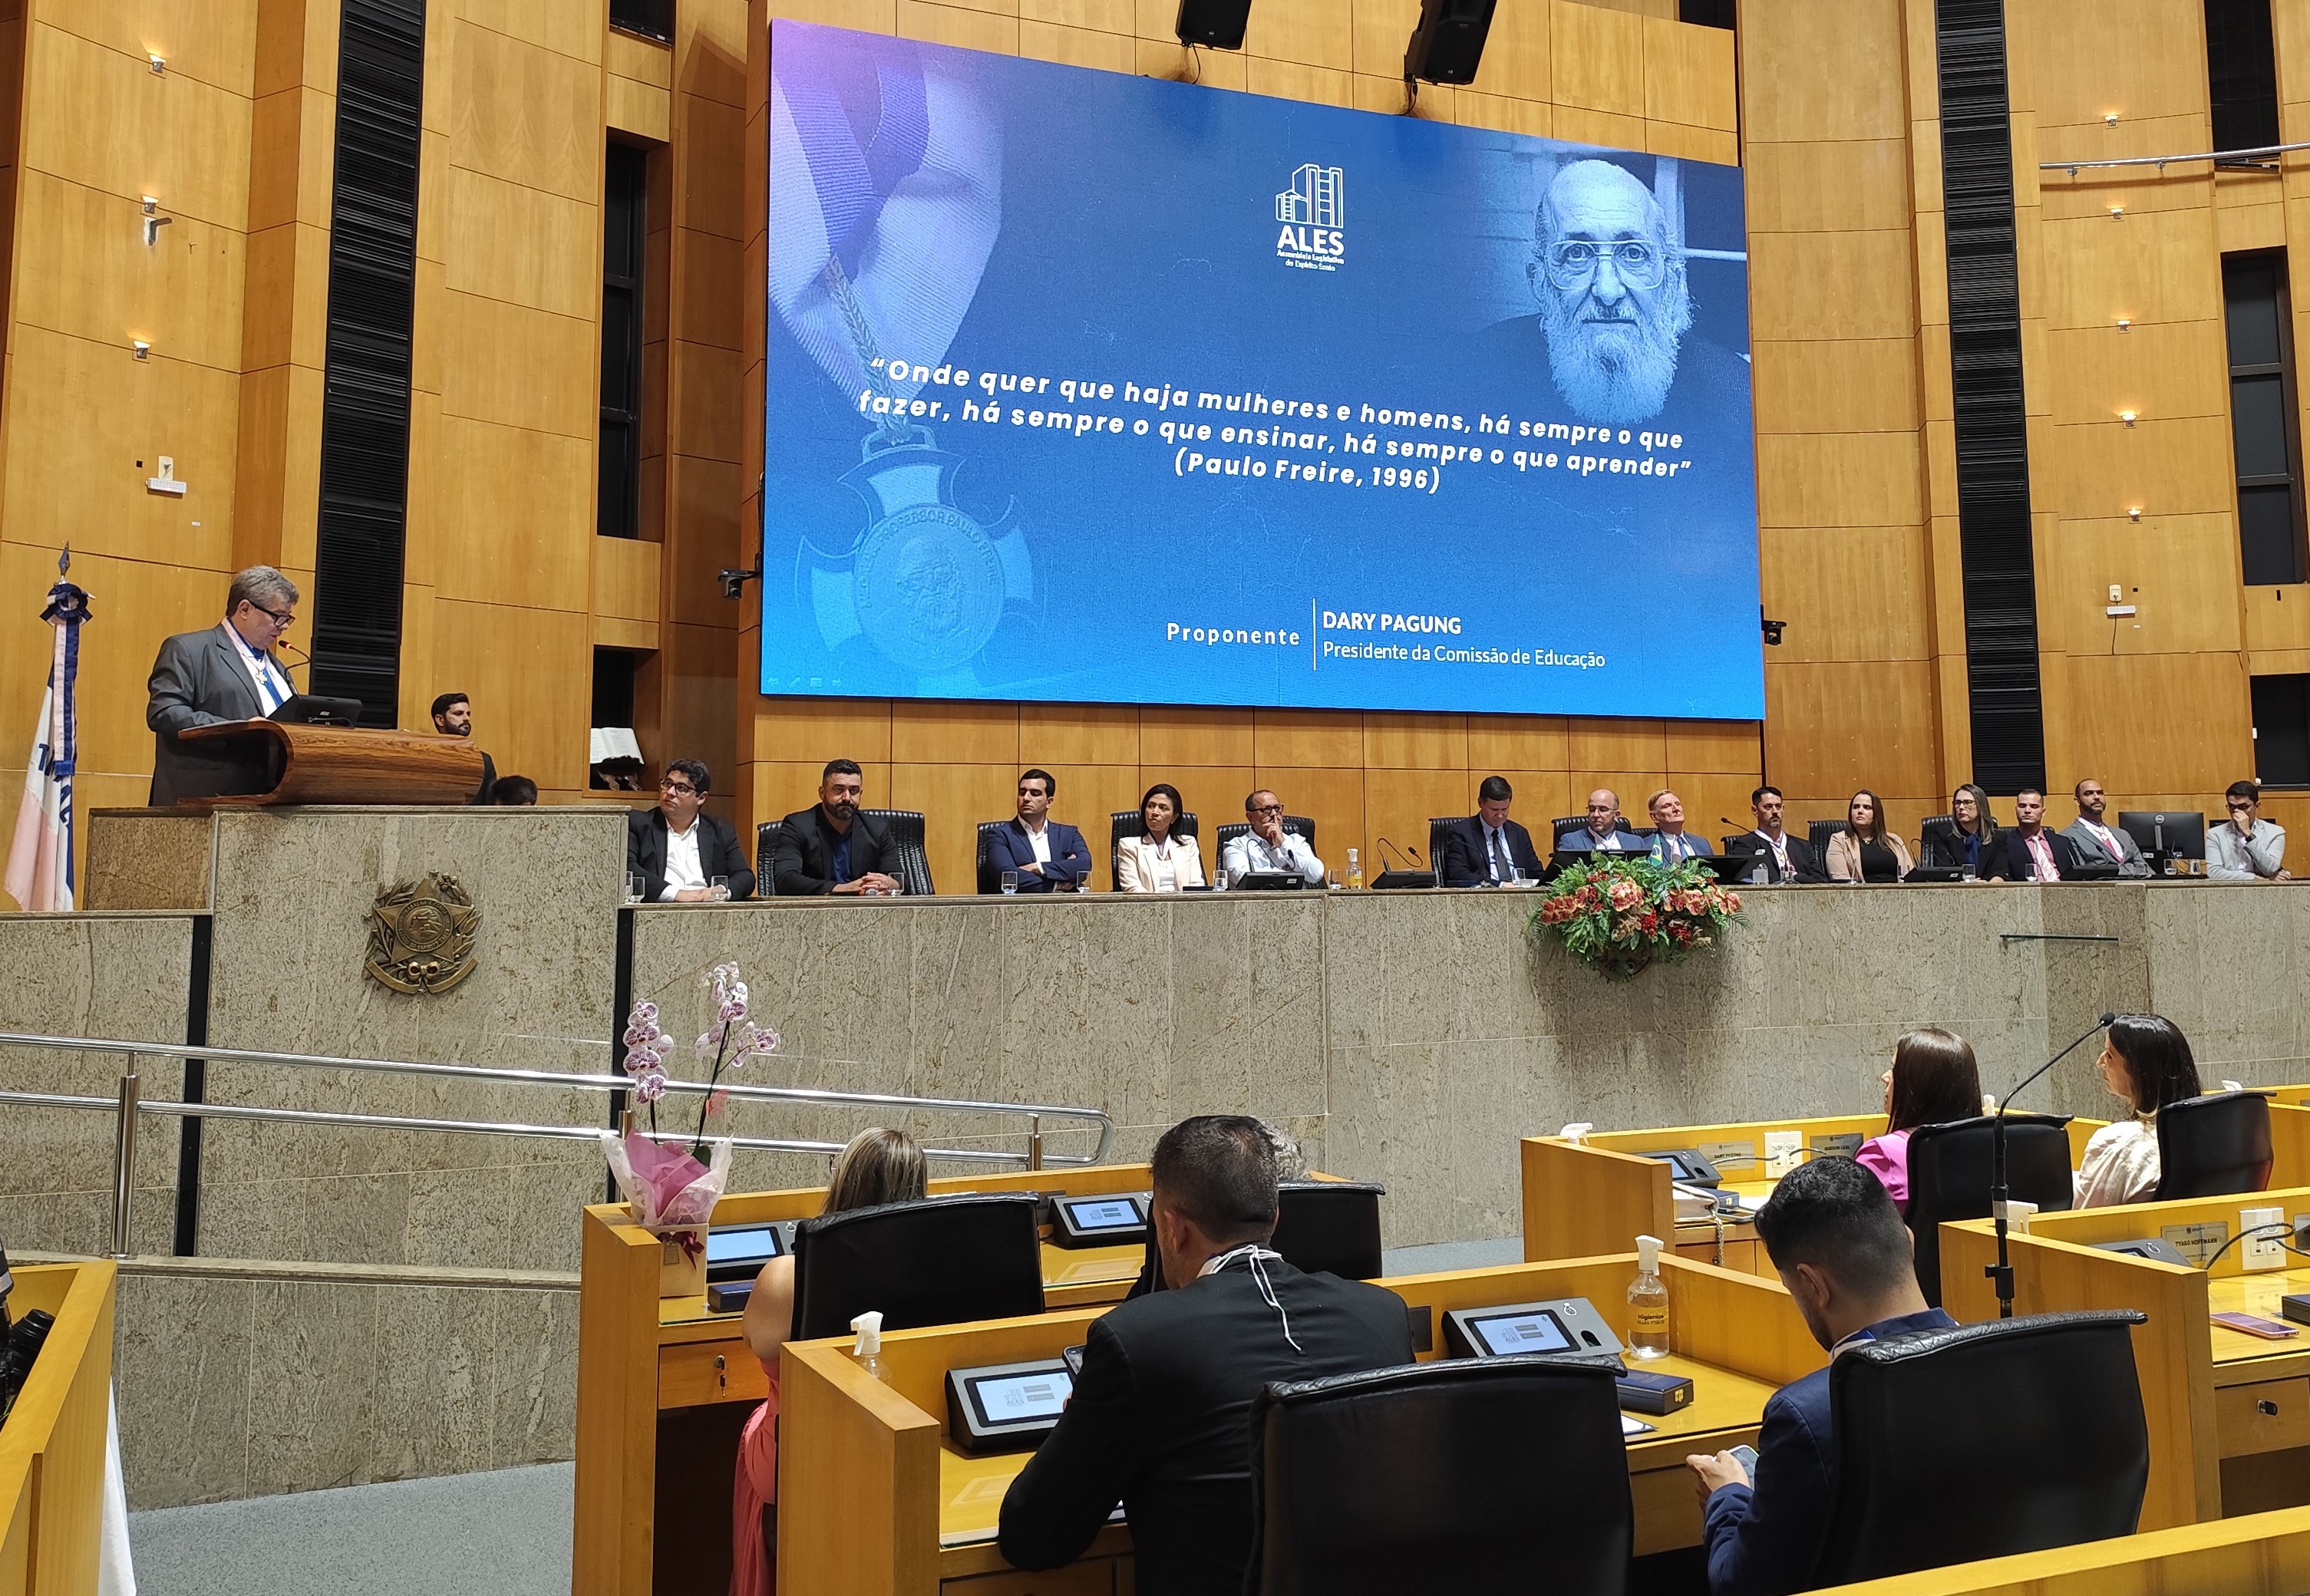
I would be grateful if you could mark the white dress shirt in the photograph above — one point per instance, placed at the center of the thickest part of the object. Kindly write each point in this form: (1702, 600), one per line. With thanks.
(1038, 837)
(683, 868)
(1251, 853)
(273, 688)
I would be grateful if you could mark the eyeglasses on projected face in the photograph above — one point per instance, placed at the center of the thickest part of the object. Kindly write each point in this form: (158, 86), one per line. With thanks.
(1573, 261)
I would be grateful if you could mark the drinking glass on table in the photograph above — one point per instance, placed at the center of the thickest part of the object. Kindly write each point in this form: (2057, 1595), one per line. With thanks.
(720, 887)
(633, 886)
(1010, 883)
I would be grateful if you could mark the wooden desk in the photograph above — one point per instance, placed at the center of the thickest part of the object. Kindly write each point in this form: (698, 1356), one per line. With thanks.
(877, 1501)
(2211, 1448)
(662, 1376)
(2267, 1554)
(52, 1448)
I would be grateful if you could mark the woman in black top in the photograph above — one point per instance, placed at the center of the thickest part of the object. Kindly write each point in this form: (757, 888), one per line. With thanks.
(1864, 851)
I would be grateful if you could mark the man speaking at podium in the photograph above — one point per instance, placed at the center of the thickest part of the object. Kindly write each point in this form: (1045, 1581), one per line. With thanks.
(208, 678)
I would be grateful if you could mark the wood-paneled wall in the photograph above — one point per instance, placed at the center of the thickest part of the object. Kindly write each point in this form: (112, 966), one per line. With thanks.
(1552, 68)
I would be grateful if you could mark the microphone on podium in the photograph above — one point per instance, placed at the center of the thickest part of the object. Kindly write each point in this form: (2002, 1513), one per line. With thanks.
(1386, 848)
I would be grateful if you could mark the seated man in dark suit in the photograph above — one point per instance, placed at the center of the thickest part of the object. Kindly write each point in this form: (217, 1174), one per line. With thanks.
(1785, 858)
(1488, 849)
(1672, 843)
(831, 848)
(1846, 1258)
(1049, 855)
(1160, 1412)
(678, 849)
(2030, 852)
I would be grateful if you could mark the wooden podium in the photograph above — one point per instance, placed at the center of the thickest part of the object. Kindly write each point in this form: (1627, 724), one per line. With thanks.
(295, 763)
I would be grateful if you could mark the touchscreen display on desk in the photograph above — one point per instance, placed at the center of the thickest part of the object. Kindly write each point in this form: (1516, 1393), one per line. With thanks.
(727, 1247)
(1512, 1333)
(1014, 1399)
(1104, 1213)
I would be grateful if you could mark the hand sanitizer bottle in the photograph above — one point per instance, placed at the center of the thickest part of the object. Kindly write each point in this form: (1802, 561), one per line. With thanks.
(1648, 1304)
(868, 1350)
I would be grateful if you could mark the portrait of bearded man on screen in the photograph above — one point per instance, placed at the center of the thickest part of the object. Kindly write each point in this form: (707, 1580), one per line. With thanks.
(1615, 308)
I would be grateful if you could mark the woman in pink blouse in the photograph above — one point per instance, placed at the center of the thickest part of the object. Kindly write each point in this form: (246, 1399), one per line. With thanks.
(1934, 1080)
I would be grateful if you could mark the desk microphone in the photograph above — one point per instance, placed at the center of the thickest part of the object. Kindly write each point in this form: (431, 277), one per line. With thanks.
(2001, 1271)
(1416, 859)
(1387, 846)
(302, 658)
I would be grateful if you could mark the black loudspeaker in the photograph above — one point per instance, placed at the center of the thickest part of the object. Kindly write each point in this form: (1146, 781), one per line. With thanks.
(1449, 41)
(1219, 23)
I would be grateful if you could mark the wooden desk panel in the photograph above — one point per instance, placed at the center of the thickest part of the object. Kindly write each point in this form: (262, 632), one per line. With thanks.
(52, 1449)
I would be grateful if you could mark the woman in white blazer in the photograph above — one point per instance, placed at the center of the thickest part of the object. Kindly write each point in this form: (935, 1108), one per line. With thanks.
(1156, 861)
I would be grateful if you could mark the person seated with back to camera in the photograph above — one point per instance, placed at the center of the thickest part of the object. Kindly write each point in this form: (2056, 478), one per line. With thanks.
(1158, 859)
(877, 1166)
(1847, 1260)
(1158, 1420)
(1934, 1081)
(1862, 850)
(2146, 1064)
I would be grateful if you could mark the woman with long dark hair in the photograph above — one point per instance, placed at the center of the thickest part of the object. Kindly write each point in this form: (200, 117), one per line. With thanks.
(1158, 859)
(2146, 1064)
(1864, 850)
(1978, 846)
(1934, 1080)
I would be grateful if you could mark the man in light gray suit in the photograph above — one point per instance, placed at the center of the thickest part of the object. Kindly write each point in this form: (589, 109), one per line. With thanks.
(225, 674)
(2099, 842)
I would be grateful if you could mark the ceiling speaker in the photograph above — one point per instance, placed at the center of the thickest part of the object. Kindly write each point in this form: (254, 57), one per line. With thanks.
(1217, 23)
(1449, 41)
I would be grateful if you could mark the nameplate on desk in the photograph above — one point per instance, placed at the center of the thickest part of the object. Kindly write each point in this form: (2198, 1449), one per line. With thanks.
(1840, 1144)
(2196, 1241)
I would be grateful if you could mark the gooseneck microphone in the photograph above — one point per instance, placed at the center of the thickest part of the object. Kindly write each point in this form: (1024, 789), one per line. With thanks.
(1386, 848)
(2001, 1271)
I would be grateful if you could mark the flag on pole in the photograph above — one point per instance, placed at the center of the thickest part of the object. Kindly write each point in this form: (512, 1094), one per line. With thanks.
(41, 858)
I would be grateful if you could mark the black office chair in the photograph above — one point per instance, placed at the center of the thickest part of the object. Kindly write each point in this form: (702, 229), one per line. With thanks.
(939, 1260)
(989, 879)
(1330, 1226)
(2011, 1435)
(1818, 833)
(907, 830)
(1299, 825)
(1937, 842)
(2214, 1145)
(766, 839)
(1465, 1474)
(1951, 1170)
(1563, 826)
(1440, 831)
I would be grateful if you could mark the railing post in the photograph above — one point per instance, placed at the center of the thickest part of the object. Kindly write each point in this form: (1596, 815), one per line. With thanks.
(124, 1164)
(1034, 1142)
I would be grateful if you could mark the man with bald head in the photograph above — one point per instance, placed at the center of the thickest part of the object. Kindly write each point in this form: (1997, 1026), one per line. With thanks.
(1604, 833)
(1615, 308)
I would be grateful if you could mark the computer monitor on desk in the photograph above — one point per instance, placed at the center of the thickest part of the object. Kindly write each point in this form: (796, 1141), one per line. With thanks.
(2165, 835)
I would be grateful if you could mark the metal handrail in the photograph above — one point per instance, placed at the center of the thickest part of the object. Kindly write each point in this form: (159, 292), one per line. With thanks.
(2074, 167)
(820, 1096)
(130, 1103)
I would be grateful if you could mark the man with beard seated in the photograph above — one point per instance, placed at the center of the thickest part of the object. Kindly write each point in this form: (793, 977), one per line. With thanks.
(1614, 310)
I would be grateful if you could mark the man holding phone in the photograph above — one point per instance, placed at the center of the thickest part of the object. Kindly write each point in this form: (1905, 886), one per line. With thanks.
(1845, 1257)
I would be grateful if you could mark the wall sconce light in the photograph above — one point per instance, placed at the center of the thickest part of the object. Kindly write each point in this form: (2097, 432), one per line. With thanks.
(153, 223)
(2117, 212)
(2127, 416)
(159, 62)
(143, 348)
(2109, 119)
(2133, 513)
(2125, 324)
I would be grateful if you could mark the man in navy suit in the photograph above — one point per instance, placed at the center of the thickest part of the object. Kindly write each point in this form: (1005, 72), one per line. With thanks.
(1846, 1258)
(1488, 849)
(1048, 855)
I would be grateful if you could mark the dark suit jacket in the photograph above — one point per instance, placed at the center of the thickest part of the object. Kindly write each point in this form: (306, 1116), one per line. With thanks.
(801, 860)
(1764, 1539)
(199, 680)
(1159, 1420)
(2014, 863)
(1994, 862)
(1467, 858)
(1802, 859)
(718, 853)
(1011, 848)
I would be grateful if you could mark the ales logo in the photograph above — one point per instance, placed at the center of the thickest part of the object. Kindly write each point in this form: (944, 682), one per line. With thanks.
(1311, 211)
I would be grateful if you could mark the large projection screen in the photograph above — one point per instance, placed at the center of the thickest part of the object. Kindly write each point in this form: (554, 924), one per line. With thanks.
(1087, 387)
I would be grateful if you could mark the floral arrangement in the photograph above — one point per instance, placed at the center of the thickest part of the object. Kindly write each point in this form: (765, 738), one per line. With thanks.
(673, 1184)
(1617, 913)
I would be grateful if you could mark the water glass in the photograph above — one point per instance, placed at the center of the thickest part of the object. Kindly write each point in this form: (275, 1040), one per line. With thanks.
(633, 886)
(720, 887)
(1010, 883)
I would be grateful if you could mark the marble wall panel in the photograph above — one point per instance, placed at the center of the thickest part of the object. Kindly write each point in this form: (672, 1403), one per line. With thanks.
(2227, 964)
(148, 859)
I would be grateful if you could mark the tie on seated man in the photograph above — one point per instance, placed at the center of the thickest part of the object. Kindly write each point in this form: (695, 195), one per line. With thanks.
(1848, 1259)
(1488, 849)
(2096, 840)
(1049, 855)
(1160, 1418)
(2031, 851)
(1672, 843)
(1605, 832)
(1267, 848)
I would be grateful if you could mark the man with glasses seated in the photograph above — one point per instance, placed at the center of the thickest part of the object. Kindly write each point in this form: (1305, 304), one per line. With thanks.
(679, 850)
(209, 678)
(1267, 848)
(2247, 847)
(1605, 832)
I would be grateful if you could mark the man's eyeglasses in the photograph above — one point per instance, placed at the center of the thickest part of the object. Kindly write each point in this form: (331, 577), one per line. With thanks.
(679, 788)
(1574, 261)
(2238, 806)
(280, 617)
(1263, 809)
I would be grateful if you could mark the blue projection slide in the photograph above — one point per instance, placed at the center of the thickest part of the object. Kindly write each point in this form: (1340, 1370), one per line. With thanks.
(1084, 387)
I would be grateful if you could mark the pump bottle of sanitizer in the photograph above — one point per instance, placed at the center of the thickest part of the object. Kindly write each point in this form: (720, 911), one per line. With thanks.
(1648, 1304)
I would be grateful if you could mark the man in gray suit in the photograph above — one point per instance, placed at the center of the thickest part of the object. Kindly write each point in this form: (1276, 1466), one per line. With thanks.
(2099, 842)
(225, 674)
